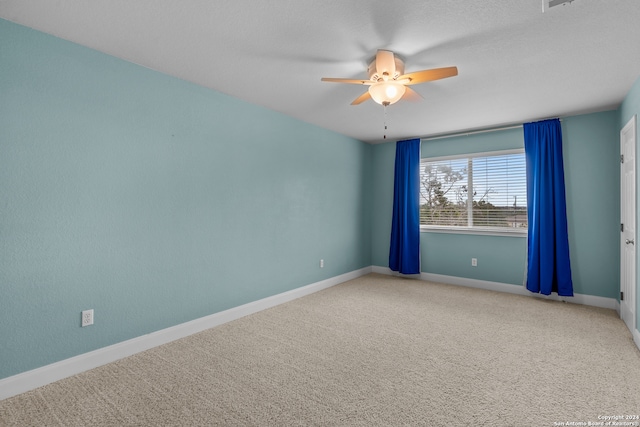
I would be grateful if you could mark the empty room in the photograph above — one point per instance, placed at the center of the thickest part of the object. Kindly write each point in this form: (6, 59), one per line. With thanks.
(360, 213)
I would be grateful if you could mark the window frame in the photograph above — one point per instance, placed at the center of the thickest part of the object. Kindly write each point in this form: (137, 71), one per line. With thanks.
(479, 230)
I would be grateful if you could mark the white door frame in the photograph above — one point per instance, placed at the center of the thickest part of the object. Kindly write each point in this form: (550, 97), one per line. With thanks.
(628, 309)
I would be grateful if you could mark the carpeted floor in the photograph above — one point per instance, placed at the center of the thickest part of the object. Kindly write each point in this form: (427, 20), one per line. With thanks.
(375, 351)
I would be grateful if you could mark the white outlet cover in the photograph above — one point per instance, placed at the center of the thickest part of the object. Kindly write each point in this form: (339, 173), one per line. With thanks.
(87, 317)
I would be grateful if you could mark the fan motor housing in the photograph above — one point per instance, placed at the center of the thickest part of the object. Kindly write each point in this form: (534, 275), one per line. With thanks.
(375, 77)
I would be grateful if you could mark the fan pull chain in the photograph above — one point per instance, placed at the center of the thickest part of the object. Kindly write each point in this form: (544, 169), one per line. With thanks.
(384, 106)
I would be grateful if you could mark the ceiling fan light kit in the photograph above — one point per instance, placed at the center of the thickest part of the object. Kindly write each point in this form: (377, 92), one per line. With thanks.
(388, 82)
(387, 93)
(386, 90)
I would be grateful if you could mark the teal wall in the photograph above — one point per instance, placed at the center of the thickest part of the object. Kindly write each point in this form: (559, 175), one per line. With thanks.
(474, 143)
(154, 201)
(630, 107)
(591, 146)
(590, 143)
(382, 163)
(500, 258)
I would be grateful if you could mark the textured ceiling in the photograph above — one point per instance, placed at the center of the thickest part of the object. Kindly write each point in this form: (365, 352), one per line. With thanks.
(515, 63)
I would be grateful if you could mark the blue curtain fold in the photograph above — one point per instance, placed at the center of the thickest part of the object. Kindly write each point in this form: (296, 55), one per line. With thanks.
(404, 251)
(548, 269)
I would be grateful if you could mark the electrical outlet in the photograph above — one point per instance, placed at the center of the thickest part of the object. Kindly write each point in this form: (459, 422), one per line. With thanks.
(321, 263)
(474, 262)
(87, 317)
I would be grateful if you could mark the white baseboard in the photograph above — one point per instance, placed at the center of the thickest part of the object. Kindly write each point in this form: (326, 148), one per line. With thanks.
(591, 300)
(35, 378)
(636, 338)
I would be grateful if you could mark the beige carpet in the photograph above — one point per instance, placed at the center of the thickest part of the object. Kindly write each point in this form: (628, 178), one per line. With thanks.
(375, 351)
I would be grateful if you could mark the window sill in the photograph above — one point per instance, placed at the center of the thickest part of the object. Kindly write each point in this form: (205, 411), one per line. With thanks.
(506, 232)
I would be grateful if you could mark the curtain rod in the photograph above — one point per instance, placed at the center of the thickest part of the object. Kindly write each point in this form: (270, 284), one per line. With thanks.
(472, 132)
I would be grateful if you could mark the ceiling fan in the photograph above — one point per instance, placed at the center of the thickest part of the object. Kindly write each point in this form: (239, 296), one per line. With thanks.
(387, 81)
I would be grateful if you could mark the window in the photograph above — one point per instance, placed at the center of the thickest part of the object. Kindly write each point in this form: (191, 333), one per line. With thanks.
(478, 191)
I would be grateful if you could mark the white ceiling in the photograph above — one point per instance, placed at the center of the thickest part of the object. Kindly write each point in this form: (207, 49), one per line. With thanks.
(515, 63)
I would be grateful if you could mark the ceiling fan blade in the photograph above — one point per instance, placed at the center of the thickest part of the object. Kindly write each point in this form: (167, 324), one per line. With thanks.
(359, 100)
(385, 63)
(429, 75)
(411, 95)
(352, 81)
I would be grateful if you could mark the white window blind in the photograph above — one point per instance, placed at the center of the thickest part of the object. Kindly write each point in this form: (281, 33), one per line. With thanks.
(486, 190)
